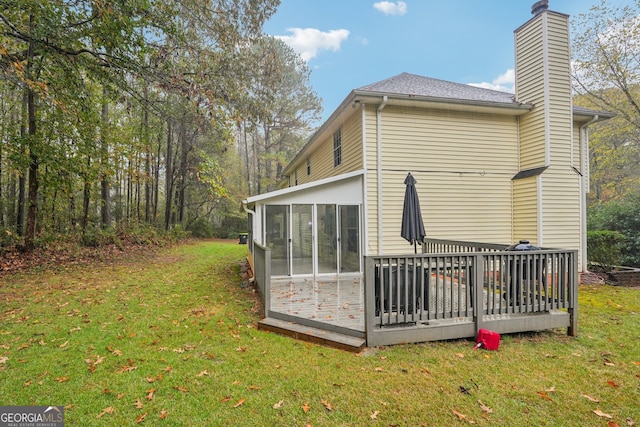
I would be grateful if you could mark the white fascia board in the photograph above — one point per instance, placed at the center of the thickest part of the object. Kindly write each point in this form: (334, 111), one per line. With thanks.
(291, 191)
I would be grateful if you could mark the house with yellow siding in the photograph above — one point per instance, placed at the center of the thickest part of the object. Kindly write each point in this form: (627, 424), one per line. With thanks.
(492, 169)
(490, 166)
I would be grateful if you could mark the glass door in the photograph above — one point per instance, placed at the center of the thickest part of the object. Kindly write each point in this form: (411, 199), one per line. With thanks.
(327, 239)
(277, 238)
(302, 239)
(349, 238)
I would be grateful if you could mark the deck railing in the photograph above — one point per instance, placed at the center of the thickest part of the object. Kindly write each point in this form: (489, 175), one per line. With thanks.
(262, 273)
(452, 294)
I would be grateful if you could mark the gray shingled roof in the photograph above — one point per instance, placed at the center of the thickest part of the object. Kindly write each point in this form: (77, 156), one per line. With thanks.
(414, 85)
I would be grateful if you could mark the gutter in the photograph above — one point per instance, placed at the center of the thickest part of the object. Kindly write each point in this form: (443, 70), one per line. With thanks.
(379, 171)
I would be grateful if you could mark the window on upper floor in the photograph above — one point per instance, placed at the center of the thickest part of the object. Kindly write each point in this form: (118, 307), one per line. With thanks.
(308, 166)
(337, 148)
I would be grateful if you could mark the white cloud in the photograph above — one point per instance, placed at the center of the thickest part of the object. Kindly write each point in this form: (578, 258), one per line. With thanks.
(391, 8)
(307, 42)
(504, 82)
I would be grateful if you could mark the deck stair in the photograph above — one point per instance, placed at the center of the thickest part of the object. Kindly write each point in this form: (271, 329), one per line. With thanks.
(311, 334)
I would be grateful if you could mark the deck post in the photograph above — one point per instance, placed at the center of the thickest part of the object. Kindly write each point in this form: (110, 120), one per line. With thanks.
(572, 265)
(267, 281)
(478, 289)
(369, 299)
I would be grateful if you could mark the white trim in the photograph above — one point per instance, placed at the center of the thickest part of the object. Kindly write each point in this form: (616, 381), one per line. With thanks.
(540, 212)
(379, 177)
(365, 198)
(547, 96)
(302, 187)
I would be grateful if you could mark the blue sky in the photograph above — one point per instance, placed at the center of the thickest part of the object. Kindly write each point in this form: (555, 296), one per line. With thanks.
(351, 43)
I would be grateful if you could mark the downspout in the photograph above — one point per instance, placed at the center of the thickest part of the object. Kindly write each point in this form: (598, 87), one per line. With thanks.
(379, 171)
(584, 189)
(253, 221)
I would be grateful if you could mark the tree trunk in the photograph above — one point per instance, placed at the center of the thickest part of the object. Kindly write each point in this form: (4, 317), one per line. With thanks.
(22, 178)
(168, 178)
(183, 173)
(247, 160)
(32, 212)
(105, 185)
(86, 198)
(156, 179)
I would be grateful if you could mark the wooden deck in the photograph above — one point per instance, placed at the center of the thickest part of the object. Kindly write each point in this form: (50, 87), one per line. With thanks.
(334, 300)
(424, 297)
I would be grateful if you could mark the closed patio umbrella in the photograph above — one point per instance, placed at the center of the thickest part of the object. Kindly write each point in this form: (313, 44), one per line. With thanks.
(412, 225)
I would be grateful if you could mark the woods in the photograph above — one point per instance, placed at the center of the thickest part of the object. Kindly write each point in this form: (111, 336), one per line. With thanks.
(125, 112)
(606, 77)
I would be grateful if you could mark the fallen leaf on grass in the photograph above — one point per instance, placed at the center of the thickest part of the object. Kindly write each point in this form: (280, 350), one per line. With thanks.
(115, 352)
(612, 384)
(327, 405)
(239, 403)
(375, 414)
(613, 424)
(630, 422)
(253, 387)
(225, 399)
(62, 379)
(203, 373)
(163, 414)
(306, 407)
(278, 405)
(63, 345)
(25, 345)
(138, 403)
(141, 418)
(126, 369)
(150, 393)
(543, 395)
(590, 399)
(485, 408)
(107, 410)
(459, 415)
(636, 363)
(425, 371)
(599, 413)
(460, 355)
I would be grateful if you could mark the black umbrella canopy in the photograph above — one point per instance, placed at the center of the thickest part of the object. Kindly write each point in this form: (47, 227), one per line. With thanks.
(412, 225)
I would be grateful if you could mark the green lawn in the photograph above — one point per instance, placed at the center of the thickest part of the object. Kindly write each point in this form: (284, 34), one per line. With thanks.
(171, 339)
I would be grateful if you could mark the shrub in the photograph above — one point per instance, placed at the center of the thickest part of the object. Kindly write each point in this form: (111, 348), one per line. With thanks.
(604, 248)
(623, 217)
(97, 237)
(200, 228)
